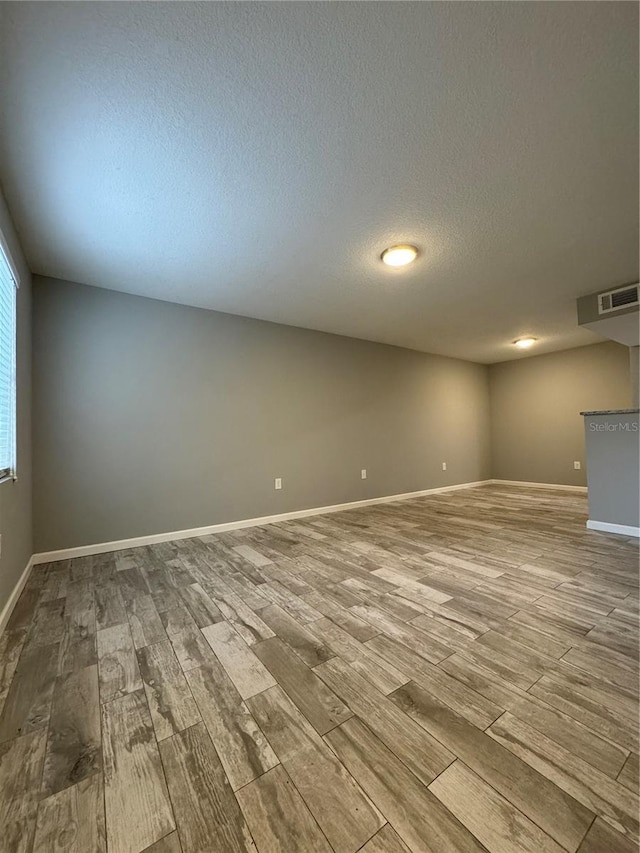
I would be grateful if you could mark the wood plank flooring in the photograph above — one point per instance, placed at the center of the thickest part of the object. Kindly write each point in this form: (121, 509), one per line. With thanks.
(458, 672)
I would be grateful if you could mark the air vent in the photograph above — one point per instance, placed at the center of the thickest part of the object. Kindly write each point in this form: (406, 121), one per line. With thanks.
(614, 300)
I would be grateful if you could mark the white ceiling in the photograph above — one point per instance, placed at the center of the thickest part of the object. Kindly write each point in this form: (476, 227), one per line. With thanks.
(256, 158)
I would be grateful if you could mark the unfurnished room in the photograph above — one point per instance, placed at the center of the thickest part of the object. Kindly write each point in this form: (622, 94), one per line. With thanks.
(319, 427)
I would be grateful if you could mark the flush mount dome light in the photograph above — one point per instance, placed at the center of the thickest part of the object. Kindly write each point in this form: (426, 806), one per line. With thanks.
(525, 343)
(399, 256)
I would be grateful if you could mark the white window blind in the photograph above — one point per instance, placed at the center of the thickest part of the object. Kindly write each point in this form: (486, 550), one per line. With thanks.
(8, 287)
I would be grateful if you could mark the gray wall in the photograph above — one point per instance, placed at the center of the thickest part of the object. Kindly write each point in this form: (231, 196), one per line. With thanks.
(612, 451)
(15, 497)
(536, 426)
(153, 417)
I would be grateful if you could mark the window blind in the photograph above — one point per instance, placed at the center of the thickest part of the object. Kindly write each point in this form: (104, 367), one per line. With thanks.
(8, 287)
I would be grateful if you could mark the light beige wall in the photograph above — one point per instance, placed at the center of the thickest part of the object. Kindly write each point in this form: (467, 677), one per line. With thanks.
(152, 417)
(634, 374)
(15, 497)
(536, 429)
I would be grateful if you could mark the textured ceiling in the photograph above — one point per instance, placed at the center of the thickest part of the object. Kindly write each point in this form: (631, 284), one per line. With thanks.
(255, 158)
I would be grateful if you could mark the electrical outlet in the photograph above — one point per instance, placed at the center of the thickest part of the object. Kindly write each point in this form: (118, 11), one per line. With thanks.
(444, 466)
(363, 474)
(277, 483)
(577, 465)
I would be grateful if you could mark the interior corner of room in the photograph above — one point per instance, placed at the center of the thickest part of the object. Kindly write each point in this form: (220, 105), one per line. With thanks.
(168, 426)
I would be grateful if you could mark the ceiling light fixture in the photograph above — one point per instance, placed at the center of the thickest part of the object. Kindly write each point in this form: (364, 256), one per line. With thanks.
(399, 256)
(525, 343)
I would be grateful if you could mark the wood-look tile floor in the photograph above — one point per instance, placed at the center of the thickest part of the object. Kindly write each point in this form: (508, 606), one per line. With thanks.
(451, 673)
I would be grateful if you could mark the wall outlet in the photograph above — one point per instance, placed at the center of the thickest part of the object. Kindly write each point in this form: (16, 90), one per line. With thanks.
(277, 483)
(577, 465)
(444, 466)
(363, 474)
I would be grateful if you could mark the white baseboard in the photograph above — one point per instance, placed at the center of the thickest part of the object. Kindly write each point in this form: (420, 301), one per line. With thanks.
(7, 610)
(607, 527)
(122, 544)
(538, 485)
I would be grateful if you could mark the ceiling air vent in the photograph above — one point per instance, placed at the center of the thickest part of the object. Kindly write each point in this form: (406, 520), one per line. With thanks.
(614, 300)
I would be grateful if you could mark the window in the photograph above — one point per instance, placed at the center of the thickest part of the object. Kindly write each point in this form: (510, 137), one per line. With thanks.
(8, 287)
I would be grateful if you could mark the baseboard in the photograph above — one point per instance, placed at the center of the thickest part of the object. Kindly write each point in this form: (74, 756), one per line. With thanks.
(607, 527)
(538, 485)
(7, 610)
(122, 544)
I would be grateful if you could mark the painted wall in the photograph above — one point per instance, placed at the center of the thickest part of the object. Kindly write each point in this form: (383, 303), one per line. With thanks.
(614, 468)
(634, 376)
(151, 417)
(537, 431)
(15, 497)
